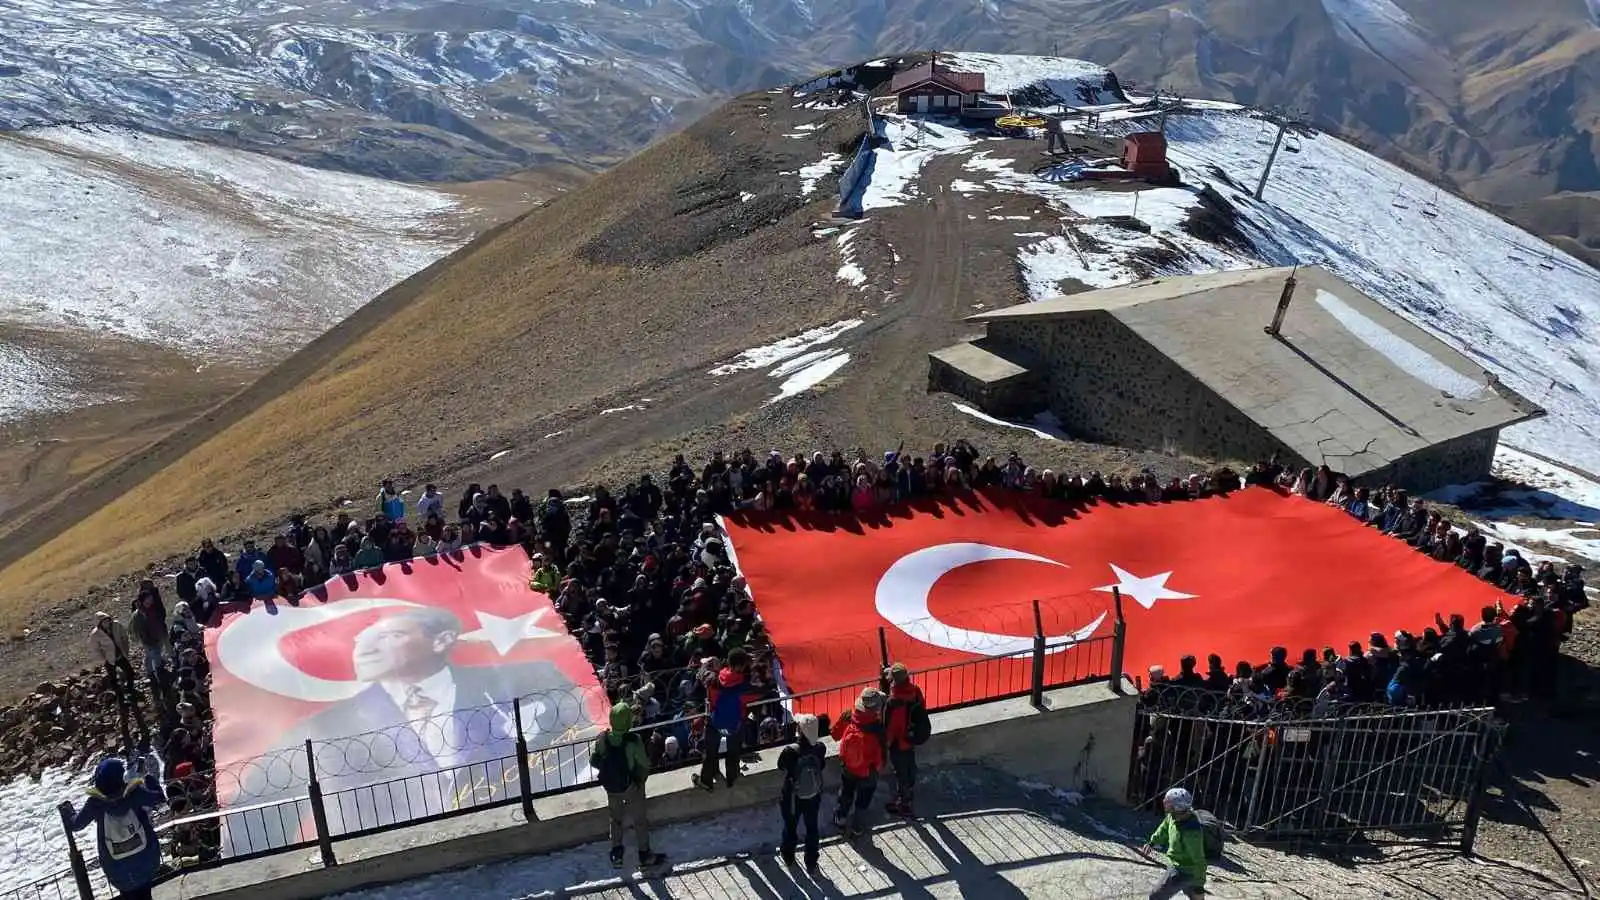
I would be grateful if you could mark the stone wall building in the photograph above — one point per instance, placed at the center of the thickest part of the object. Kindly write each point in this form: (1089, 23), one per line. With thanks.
(1193, 365)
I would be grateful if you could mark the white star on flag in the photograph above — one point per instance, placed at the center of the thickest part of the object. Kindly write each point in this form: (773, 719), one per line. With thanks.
(505, 634)
(1145, 590)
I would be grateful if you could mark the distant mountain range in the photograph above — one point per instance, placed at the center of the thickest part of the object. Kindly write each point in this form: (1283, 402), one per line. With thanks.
(1498, 100)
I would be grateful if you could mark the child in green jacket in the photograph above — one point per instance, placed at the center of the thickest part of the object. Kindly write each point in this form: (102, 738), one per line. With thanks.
(1182, 838)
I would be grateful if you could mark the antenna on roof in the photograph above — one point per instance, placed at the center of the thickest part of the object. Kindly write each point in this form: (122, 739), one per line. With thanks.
(1283, 303)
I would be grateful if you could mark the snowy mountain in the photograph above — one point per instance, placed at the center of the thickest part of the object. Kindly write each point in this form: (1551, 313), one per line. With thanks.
(404, 89)
(1525, 311)
(220, 255)
(1498, 99)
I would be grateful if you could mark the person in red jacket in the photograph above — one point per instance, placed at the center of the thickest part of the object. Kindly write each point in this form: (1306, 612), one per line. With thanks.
(727, 699)
(859, 733)
(906, 726)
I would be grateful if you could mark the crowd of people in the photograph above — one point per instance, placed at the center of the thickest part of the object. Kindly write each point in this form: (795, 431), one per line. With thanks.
(643, 580)
(1498, 654)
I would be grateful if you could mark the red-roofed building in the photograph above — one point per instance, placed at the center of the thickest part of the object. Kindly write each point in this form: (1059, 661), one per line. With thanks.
(931, 88)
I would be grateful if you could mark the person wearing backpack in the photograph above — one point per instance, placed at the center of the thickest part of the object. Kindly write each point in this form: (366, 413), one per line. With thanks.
(801, 765)
(130, 855)
(621, 766)
(859, 733)
(727, 699)
(1181, 836)
(906, 727)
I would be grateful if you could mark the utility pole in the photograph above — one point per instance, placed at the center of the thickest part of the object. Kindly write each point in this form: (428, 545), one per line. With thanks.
(1283, 127)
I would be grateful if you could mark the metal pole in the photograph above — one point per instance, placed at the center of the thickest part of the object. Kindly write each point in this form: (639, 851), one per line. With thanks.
(1474, 813)
(80, 869)
(1119, 636)
(319, 813)
(524, 777)
(1036, 689)
(883, 648)
(1272, 157)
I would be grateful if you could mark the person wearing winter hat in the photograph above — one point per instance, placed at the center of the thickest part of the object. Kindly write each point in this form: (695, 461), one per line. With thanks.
(859, 734)
(1182, 838)
(727, 697)
(801, 800)
(130, 854)
(109, 641)
(906, 726)
(621, 766)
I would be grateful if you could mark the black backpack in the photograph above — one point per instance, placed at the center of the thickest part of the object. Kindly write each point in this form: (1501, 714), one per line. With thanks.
(614, 773)
(1213, 833)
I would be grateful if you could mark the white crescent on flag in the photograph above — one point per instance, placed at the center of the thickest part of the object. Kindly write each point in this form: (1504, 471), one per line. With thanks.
(902, 599)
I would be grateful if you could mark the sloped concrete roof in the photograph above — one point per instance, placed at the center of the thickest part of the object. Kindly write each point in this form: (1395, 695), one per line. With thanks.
(1346, 380)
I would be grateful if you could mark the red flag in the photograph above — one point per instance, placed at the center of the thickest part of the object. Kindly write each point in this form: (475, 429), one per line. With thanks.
(1231, 575)
(344, 660)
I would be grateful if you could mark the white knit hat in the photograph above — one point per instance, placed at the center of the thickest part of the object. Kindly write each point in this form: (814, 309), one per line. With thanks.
(807, 726)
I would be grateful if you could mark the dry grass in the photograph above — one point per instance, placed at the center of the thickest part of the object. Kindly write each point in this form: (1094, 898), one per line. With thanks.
(538, 321)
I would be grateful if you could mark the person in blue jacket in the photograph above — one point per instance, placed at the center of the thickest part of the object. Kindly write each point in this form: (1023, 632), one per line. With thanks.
(130, 854)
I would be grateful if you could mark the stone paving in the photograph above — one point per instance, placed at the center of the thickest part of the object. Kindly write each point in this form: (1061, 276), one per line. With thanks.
(986, 836)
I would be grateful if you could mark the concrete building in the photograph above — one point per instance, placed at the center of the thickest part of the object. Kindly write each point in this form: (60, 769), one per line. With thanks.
(1195, 365)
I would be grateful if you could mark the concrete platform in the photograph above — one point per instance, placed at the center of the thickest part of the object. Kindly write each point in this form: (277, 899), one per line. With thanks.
(1090, 726)
(998, 385)
(984, 835)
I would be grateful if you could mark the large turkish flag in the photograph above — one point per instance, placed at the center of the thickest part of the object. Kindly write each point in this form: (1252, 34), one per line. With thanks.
(952, 582)
(337, 665)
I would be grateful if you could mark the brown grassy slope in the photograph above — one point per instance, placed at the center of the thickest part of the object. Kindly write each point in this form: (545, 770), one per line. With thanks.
(609, 287)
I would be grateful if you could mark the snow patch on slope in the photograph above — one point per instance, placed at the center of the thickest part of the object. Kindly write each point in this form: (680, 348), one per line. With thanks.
(1388, 32)
(810, 175)
(1544, 491)
(907, 149)
(778, 351)
(1076, 82)
(33, 846)
(1045, 425)
(198, 247)
(808, 377)
(30, 383)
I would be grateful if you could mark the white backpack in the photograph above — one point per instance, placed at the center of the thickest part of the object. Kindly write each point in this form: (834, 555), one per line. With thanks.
(124, 834)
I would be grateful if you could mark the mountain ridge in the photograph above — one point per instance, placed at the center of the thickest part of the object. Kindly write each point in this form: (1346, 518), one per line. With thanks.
(771, 323)
(1489, 97)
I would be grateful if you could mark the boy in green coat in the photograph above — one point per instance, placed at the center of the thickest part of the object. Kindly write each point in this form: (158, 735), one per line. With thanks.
(621, 766)
(1182, 838)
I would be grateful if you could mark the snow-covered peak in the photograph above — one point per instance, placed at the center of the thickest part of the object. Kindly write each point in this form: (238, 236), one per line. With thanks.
(1058, 80)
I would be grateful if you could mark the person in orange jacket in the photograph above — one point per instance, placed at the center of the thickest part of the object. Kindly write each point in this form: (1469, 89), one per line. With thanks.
(859, 734)
(906, 726)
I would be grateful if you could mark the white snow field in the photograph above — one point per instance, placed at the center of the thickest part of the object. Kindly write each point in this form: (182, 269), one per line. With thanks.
(30, 383)
(1075, 82)
(1525, 311)
(196, 247)
(1554, 507)
(33, 845)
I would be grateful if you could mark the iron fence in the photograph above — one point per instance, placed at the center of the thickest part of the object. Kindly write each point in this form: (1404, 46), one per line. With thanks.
(538, 746)
(58, 886)
(1292, 773)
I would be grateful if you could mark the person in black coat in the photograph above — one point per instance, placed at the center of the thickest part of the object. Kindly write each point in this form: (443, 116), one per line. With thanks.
(801, 801)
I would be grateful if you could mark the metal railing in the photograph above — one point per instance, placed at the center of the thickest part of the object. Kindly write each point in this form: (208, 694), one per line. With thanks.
(297, 798)
(1284, 771)
(316, 813)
